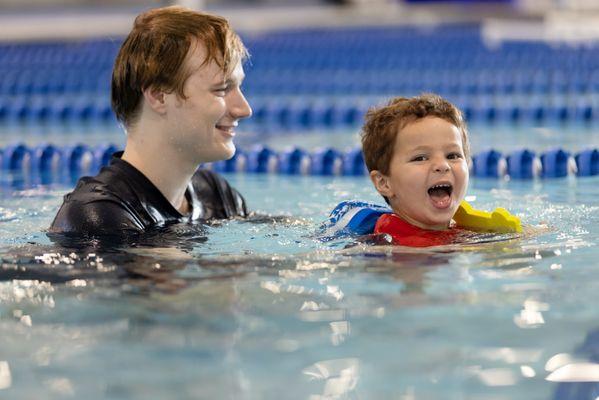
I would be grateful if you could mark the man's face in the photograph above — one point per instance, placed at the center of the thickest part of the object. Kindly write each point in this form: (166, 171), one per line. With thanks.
(202, 126)
(428, 174)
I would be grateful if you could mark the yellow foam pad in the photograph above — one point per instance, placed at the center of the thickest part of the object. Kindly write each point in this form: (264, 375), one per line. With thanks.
(500, 220)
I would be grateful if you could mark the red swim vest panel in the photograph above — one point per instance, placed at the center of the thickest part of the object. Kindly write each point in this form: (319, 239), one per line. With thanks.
(406, 234)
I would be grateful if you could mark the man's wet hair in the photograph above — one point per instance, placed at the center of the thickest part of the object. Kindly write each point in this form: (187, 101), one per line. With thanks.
(154, 53)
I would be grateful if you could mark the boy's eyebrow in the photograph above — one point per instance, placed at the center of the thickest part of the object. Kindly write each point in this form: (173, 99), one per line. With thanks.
(426, 148)
(421, 147)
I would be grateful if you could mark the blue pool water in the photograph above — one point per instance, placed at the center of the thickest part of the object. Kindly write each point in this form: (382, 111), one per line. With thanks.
(263, 310)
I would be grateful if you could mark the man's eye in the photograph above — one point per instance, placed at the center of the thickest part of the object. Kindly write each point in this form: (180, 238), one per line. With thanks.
(220, 91)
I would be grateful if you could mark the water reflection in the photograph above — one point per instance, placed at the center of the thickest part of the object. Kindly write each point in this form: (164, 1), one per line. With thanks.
(494, 377)
(339, 377)
(5, 375)
(531, 314)
(578, 373)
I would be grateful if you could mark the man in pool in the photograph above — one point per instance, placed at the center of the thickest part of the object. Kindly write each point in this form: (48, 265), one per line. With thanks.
(416, 151)
(176, 89)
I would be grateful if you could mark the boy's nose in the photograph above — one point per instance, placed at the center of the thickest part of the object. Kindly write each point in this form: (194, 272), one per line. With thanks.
(441, 167)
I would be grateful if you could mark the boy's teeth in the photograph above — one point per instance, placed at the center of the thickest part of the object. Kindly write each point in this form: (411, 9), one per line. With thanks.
(440, 189)
(441, 195)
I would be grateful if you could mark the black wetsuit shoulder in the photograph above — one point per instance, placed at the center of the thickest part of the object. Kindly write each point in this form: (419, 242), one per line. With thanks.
(120, 199)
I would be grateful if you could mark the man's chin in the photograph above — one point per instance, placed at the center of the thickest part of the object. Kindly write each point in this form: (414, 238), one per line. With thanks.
(224, 153)
(229, 151)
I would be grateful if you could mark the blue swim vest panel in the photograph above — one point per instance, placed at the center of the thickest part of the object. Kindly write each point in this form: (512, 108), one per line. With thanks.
(352, 218)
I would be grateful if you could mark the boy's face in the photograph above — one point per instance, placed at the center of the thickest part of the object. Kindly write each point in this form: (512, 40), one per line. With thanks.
(428, 174)
(202, 126)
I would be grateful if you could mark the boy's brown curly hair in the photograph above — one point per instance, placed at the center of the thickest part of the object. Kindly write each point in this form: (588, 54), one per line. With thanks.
(383, 124)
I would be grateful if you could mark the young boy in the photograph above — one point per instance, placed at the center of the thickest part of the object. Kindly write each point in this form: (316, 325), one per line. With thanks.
(416, 151)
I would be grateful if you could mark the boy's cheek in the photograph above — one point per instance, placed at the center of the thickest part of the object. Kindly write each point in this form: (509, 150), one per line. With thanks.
(466, 172)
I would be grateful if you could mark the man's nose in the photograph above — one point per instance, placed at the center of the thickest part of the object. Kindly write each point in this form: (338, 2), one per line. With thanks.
(239, 107)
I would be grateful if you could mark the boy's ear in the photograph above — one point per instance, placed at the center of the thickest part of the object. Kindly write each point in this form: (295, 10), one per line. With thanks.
(155, 98)
(381, 183)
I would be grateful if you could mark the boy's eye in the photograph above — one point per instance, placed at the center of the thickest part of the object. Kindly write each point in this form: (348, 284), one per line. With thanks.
(454, 156)
(419, 158)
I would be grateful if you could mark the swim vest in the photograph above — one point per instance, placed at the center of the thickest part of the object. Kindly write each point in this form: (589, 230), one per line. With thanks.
(356, 218)
(405, 234)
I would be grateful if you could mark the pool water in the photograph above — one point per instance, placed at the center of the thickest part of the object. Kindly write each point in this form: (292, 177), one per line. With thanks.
(262, 309)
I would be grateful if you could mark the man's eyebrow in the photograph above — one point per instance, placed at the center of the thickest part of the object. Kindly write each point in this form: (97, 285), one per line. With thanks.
(235, 81)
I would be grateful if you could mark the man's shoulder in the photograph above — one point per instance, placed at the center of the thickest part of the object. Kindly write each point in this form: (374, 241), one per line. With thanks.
(209, 176)
(96, 217)
(219, 198)
(98, 205)
(208, 182)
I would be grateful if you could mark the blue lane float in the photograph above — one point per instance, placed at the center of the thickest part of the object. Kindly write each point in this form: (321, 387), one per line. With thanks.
(83, 159)
(47, 158)
(262, 159)
(286, 115)
(587, 162)
(555, 164)
(294, 161)
(79, 158)
(488, 164)
(102, 155)
(16, 157)
(353, 163)
(56, 109)
(522, 164)
(327, 162)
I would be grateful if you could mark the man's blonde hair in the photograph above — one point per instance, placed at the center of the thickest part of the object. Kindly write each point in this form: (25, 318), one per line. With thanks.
(154, 54)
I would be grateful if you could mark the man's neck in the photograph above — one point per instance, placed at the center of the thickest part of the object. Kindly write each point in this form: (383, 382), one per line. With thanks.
(147, 151)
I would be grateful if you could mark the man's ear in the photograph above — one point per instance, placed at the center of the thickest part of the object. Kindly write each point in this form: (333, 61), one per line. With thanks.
(155, 99)
(381, 183)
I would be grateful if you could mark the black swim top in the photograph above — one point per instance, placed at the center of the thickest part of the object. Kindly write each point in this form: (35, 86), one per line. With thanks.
(121, 200)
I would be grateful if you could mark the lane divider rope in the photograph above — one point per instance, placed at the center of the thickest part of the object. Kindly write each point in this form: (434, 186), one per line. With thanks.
(75, 160)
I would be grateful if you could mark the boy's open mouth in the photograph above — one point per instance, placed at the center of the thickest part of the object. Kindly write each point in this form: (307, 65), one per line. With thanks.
(440, 195)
